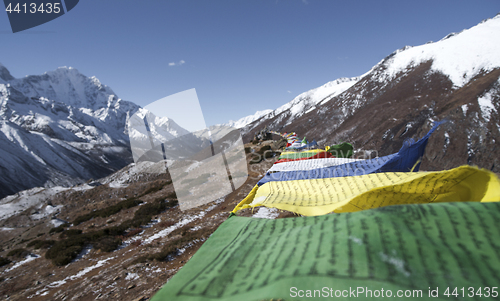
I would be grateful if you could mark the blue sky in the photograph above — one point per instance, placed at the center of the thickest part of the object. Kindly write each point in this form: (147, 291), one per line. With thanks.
(241, 56)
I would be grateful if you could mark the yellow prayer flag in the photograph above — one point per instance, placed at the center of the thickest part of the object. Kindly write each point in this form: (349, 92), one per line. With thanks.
(349, 194)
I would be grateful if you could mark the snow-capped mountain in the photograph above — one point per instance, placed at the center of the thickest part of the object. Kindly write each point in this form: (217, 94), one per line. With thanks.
(456, 78)
(247, 119)
(59, 128)
(460, 56)
(300, 105)
(160, 128)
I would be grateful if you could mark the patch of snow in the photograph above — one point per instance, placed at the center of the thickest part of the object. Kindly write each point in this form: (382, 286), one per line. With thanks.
(152, 222)
(132, 276)
(190, 244)
(169, 230)
(85, 251)
(446, 141)
(82, 187)
(464, 109)
(196, 228)
(48, 210)
(26, 199)
(186, 220)
(269, 213)
(29, 258)
(486, 105)
(470, 150)
(117, 185)
(131, 171)
(56, 222)
(318, 95)
(408, 126)
(99, 264)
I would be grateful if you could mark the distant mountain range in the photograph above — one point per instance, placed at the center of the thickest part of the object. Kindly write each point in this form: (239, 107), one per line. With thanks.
(63, 128)
(59, 128)
(456, 78)
(242, 122)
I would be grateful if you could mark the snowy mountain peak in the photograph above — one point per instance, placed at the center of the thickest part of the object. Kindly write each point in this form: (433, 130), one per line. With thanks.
(161, 126)
(460, 56)
(242, 122)
(307, 100)
(65, 126)
(66, 85)
(449, 36)
(63, 71)
(300, 105)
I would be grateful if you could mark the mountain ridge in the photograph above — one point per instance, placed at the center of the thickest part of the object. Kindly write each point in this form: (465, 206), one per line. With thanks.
(405, 92)
(60, 128)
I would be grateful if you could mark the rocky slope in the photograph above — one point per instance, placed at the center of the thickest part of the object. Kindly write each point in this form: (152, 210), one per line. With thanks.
(128, 264)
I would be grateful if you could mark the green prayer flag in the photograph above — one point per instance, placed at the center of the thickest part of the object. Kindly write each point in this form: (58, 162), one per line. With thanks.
(419, 250)
(342, 150)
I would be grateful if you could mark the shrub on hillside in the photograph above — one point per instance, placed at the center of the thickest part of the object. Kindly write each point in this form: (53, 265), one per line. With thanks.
(63, 251)
(4, 261)
(107, 239)
(67, 255)
(184, 237)
(108, 211)
(171, 195)
(156, 187)
(126, 204)
(41, 244)
(132, 232)
(70, 232)
(108, 243)
(153, 208)
(18, 253)
(58, 229)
